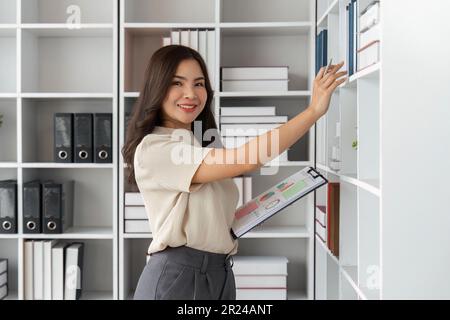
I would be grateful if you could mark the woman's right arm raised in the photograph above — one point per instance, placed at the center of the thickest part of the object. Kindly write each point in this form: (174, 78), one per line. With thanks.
(223, 163)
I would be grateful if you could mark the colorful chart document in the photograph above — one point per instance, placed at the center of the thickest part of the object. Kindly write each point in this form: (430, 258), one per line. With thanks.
(268, 203)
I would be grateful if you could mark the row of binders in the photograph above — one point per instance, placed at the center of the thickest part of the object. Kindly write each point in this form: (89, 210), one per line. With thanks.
(238, 125)
(135, 217)
(327, 219)
(3, 278)
(203, 41)
(363, 47)
(260, 277)
(47, 206)
(53, 270)
(83, 137)
(254, 78)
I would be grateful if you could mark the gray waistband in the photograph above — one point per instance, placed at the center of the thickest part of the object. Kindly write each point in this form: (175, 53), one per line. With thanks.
(194, 258)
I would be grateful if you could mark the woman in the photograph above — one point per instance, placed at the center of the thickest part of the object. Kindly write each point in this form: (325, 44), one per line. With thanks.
(186, 185)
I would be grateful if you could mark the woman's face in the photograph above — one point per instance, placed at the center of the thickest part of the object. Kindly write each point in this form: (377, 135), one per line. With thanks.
(186, 97)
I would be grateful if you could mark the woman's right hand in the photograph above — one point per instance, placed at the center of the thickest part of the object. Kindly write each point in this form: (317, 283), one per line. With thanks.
(324, 86)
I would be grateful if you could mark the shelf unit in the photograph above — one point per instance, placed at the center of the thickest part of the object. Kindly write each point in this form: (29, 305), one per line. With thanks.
(267, 33)
(387, 247)
(49, 65)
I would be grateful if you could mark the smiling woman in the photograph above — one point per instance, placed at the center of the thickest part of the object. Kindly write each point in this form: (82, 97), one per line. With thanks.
(191, 204)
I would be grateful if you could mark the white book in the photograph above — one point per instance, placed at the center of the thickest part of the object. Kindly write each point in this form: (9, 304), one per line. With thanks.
(260, 265)
(134, 199)
(321, 231)
(368, 55)
(58, 270)
(248, 111)
(202, 44)
(135, 213)
(73, 271)
(38, 270)
(166, 41)
(261, 294)
(254, 85)
(261, 119)
(249, 130)
(137, 226)
(48, 244)
(3, 265)
(28, 270)
(267, 282)
(211, 54)
(3, 291)
(175, 37)
(3, 278)
(193, 39)
(247, 189)
(184, 38)
(239, 181)
(255, 73)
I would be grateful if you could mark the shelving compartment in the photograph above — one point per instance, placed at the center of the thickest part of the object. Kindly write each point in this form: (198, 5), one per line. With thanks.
(8, 130)
(8, 49)
(265, 46)
(9, 251)
(349, 131)
(369, 244)
(134, 260)
(38, 123)
(333, 121)
(8, 11)
(92, 199)
(67, 60)
(285, 106)
(348, 230)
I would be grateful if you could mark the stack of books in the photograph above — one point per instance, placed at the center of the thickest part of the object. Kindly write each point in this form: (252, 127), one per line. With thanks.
(3, 278)
(244, 185)
(203, 41)
(135, 218)
(239, 125)
(254, 78)
(260, 277)
(53, 270)
(369, 37)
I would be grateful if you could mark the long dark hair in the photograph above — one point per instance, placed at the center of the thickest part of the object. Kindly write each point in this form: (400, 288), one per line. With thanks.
(146, 112)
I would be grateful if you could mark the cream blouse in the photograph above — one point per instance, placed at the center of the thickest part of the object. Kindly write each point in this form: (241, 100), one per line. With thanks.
(198, 215)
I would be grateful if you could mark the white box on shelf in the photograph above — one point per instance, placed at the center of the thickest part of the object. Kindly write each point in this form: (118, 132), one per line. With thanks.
(262, 281)
(248, 111)
(369, 16)
(370, 35)
(135, 213)
(255, 73)
(137, 226)
(260, 265)
(133, 199)
(261, 294)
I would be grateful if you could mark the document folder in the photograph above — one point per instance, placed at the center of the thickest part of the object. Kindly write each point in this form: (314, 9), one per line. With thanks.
(272, 201)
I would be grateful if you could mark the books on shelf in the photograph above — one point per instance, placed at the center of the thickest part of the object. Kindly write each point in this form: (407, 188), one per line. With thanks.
(254, 78)
(321, 50)
(333, 217)
(260, 277)
(135, 215)
(53, 270)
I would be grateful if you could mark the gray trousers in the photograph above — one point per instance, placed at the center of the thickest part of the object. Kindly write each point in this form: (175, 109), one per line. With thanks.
(185, 273)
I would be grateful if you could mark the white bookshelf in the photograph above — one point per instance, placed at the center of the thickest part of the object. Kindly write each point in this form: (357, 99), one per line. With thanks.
(387, 242)
(47, 66)
(267, 33)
